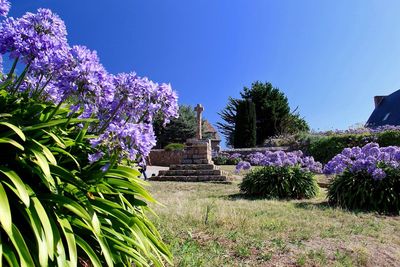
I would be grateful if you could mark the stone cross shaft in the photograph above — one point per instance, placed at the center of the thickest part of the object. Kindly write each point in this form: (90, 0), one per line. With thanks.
(199, 109)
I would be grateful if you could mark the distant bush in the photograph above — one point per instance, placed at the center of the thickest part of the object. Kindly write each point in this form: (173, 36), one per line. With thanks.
(289, 182)
(324, 146)
(224, 160)
(368, 178)
(174, 147)
(388, 138)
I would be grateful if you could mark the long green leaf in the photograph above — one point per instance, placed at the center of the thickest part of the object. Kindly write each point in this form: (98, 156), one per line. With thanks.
(41, 161)
(19, 185)
(50, 157)
(12, 142)
(21, 247)
(57, 139)
(60, 251)
(89, 251)
(70, 237)
(67, 176)
(5, 211)
(71, 205)
(16, 129)
(39, 234)
(44, 218)
(9, 256)
(66, 153)
(53, 123)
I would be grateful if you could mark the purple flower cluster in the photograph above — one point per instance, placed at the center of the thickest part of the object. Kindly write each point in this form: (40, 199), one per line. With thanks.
(124, 104)
(283, 159)
(361, 130)
(235, 156)
(370, 159)
(4, 8)
(39, 39)
(242, 165)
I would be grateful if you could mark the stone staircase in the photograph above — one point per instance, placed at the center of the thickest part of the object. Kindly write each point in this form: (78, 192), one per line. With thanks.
(193, 173)
(196, 166)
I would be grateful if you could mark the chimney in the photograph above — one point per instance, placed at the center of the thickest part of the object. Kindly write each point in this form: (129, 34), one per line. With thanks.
(378, 99)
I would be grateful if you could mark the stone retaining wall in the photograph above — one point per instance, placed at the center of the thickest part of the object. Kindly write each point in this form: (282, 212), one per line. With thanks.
(161, 157)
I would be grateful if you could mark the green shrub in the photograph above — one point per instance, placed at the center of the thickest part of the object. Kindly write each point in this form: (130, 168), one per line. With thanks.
(359, 191)
(225, 160)
(388, 138)
(324, 147)
(279, 182)
(174, 147)
(220, 160)
(58, 209)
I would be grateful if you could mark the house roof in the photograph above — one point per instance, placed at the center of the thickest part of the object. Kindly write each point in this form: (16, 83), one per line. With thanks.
(208, 128)
(386, 112)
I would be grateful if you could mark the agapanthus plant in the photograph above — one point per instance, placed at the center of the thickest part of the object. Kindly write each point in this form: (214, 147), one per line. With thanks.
(367, 178)
(370, 159)
(65, 126)
(282, 159)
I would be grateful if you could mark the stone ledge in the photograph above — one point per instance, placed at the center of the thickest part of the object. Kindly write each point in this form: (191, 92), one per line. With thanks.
(193, 167)
(215, 178)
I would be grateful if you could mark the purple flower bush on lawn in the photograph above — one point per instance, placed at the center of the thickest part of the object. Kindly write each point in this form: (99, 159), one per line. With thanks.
(370, 159)
(283, 159)
(367, 178)
(280, 175)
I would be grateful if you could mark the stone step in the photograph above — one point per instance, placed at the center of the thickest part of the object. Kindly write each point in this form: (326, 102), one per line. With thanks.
(193, 167)
(190, 172)
(212, 178)
(196, 161)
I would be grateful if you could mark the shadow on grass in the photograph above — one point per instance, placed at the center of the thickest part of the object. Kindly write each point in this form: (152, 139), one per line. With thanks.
(240, 196)
(303, 204)
(324, 205)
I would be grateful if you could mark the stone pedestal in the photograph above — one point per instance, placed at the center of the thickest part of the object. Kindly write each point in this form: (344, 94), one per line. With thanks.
(197, 152)
(196, 166)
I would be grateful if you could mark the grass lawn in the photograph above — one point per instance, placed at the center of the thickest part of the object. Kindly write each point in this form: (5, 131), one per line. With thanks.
(212, 225)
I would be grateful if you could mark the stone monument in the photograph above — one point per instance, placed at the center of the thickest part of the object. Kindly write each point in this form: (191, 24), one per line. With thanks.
(197, 164)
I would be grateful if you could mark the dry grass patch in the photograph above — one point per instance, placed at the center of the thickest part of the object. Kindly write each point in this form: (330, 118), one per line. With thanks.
(212, 225)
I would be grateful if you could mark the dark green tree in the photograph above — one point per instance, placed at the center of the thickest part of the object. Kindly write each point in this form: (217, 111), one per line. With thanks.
(273, 115)
(228, 115)
(245, 125)
(271, 107)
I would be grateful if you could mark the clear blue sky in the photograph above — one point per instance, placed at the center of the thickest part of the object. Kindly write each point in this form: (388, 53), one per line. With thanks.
(329, 57)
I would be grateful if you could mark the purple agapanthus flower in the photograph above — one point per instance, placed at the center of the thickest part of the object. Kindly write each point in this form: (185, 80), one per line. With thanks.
(283, 159)
(38, 39)
(242, 165)
(370, 159)
(4, 7)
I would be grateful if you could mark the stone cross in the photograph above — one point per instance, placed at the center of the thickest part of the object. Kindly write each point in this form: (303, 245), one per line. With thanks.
(199, 109)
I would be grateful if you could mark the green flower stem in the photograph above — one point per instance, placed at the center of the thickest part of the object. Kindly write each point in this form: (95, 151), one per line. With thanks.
(14, 65)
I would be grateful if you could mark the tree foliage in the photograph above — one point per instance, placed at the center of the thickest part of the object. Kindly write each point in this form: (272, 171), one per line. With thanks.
(245, 125)
(178, 130)
(273, 114)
